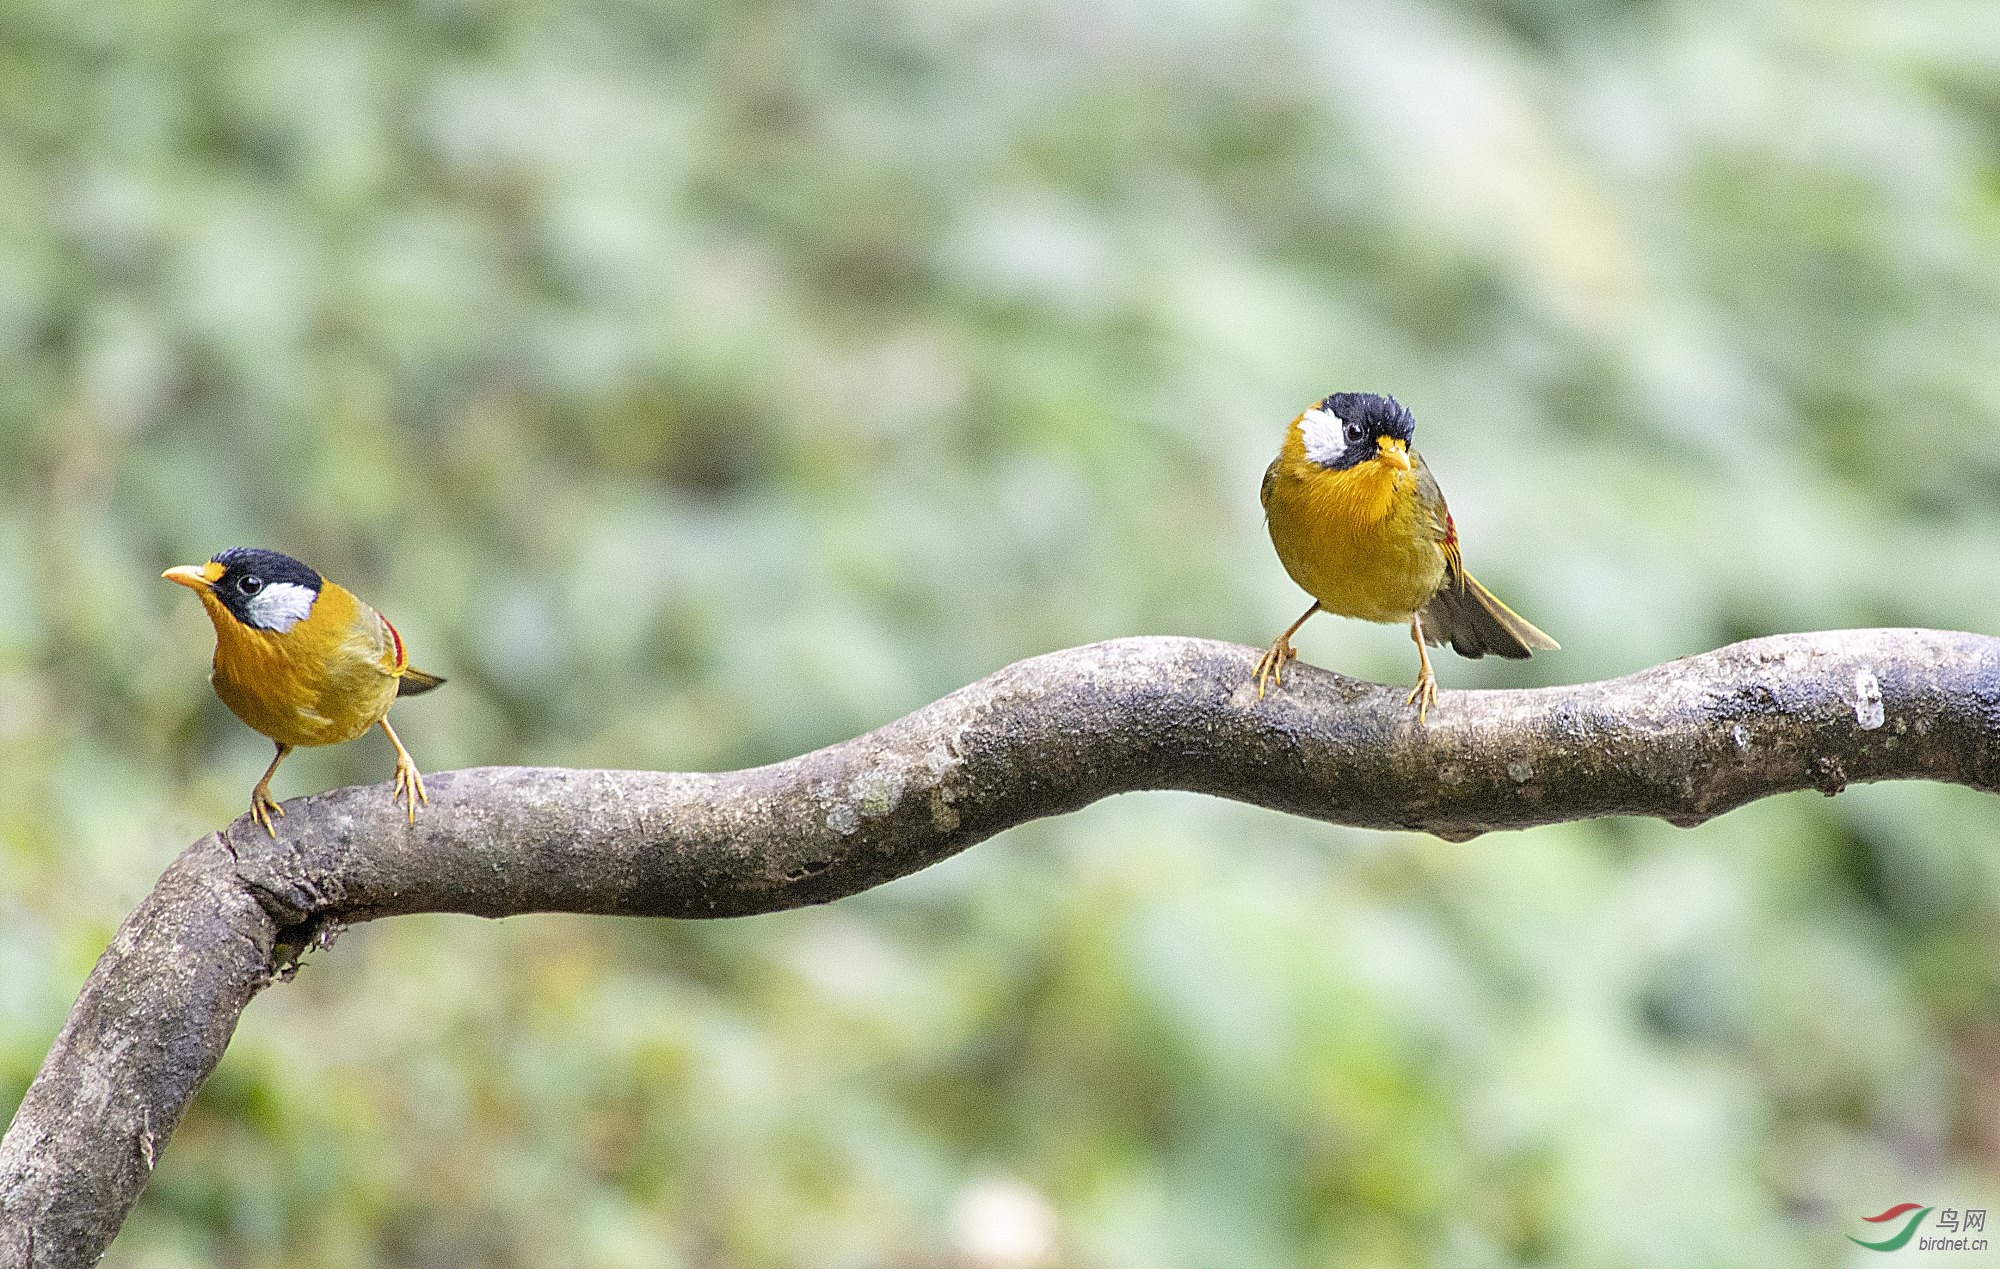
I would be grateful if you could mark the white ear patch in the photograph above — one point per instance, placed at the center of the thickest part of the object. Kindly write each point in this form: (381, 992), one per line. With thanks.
(1324, 435)
(280, 606)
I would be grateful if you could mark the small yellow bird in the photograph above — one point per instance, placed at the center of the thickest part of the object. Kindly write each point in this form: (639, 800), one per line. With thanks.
(302, 660)
(1361, 526)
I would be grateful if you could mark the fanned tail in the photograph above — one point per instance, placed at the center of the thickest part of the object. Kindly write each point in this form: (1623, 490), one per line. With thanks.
(1468, 617)
(414, 682)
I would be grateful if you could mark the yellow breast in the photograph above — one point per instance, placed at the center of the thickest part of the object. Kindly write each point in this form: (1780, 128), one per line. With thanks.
(1357, 540)
(327, 679)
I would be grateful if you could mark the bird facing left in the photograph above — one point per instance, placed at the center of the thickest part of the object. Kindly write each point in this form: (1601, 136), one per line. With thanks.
(303, 661)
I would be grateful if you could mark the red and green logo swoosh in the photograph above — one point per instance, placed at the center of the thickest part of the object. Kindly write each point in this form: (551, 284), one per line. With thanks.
(1895, 1241)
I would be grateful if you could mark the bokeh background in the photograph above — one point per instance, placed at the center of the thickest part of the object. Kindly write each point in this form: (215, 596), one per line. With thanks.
(700, 384)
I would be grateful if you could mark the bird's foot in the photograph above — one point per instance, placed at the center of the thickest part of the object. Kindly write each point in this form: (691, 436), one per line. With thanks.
(263, 806)
(1424, 694)
(409, 785)
(1271, 666)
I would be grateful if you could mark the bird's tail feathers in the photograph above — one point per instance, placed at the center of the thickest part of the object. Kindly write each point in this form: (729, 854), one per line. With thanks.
(414, 682)
(1474, 622)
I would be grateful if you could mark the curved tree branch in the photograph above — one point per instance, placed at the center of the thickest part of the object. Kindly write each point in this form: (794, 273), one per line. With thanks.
(1684, 741)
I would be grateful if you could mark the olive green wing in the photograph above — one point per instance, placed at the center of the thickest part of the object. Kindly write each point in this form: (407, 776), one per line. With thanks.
(410, 681)
(1463, 613)
(1438, 520)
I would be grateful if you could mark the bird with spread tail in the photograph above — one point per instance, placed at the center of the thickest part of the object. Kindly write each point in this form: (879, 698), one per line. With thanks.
(1362, 527)
(303, 661)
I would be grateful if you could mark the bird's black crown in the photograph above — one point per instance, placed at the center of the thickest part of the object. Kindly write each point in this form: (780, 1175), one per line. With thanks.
(247, 570)
(1375, 415)
(1342, 431)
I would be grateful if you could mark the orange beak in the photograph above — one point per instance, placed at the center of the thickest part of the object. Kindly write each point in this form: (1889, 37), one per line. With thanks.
(196, 577)
(1393, 452)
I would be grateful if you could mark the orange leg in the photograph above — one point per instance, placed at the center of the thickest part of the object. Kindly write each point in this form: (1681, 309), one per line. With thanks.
(1271, 666)
(409, 781)
(261, 803)
(1425, 693)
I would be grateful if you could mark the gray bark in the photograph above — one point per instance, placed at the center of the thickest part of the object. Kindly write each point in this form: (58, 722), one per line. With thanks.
(1684, 741)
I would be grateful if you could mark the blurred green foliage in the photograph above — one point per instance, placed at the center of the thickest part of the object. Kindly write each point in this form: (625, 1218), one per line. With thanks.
(696, 385)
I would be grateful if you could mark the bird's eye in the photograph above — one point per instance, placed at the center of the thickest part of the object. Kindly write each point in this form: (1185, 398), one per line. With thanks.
(1352, 433)
(250, 585)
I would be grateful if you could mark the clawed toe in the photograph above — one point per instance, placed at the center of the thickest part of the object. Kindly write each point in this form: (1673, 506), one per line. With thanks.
(410, 788)
(1270, 671)
(262, 808)
(409, 781)
(1423, 696)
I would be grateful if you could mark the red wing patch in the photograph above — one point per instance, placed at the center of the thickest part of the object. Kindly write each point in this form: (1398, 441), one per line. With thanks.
(402, 657)
(1449, 546)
